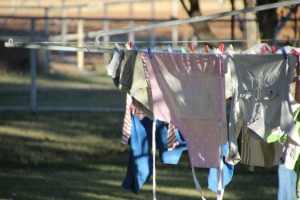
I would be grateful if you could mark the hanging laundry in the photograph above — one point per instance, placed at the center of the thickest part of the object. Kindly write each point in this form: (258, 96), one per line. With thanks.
(139, 168)
(286, 184)
(132, 80)
(258, 153)
(188, 91)
(227, 171)
(260, 85)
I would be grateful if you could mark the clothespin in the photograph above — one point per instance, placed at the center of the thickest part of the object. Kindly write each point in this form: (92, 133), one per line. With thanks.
(182, 49)
(149, 51)
(118, 47)
(251, 51)
(217, 51)
(135, 48)
(230, 52)
(273, 49)
(206, 48)
(131, 44)
(169, 48)
(296, 53)
(263, 49)
(192, 48)
(283, 52)
(231, 47)
(127, 46)
(221, 47)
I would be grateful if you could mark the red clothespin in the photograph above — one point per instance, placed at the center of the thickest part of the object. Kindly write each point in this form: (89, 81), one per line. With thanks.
(296, 53)
(221, 47)
(131, 44)
(192, 48)
(273, 49)
(206, 48)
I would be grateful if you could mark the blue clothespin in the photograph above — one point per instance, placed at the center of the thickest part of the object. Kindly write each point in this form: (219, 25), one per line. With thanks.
(169, 48)
(283, 52)
(149, 51)
(135, 48)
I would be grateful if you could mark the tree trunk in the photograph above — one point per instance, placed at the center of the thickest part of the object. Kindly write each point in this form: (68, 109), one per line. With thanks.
(251, 29)
(202, 30)
(267, 21)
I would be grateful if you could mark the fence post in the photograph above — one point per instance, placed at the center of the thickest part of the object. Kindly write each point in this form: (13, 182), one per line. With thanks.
(174, 28)
(106, 28)
(131, 22)
(47, 52)
(33, 70)
(80, 32)
(64, 26)
(152, 36)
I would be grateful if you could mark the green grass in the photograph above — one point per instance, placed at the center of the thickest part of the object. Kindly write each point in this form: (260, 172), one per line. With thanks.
(79, 155)
(62, 90)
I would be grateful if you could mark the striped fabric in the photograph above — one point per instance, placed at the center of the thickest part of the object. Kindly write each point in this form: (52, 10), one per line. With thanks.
(171, 136)
(130, 108)
(127, 120)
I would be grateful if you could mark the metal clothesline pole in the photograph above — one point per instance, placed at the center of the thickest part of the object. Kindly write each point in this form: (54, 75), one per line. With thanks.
(193, 19)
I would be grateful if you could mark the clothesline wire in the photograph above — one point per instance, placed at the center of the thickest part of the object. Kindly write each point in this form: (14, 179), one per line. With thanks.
(50, 46)
(158, 41)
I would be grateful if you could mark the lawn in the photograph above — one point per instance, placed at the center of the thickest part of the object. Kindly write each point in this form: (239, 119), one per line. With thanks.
(79, 155)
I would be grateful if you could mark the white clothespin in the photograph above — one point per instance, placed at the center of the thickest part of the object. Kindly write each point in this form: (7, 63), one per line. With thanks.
(127, 46)
(118, 47)
(251, 51)
(217, 51)
(230, 52)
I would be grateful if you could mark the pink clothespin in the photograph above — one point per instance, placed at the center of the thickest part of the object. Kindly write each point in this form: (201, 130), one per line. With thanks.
(263, 49)
(206, 48)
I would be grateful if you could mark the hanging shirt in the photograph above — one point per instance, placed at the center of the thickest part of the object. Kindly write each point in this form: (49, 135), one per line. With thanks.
(188, 91)
(131, 79)
(260, 86)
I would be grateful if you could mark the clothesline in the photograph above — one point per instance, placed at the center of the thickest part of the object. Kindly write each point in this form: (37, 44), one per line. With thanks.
(85, 48)
(96, 48)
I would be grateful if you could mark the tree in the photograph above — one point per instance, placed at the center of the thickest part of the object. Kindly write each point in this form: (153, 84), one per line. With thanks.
(202, 30)
(258, 25)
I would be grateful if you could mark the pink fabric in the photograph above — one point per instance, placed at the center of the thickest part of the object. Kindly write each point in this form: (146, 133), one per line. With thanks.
(188, 91)
(171, 136)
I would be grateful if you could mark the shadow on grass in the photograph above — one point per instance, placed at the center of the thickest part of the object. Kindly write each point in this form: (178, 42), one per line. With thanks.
(79, 156)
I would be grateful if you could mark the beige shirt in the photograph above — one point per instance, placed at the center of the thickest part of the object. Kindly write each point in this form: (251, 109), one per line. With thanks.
(260, 86)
